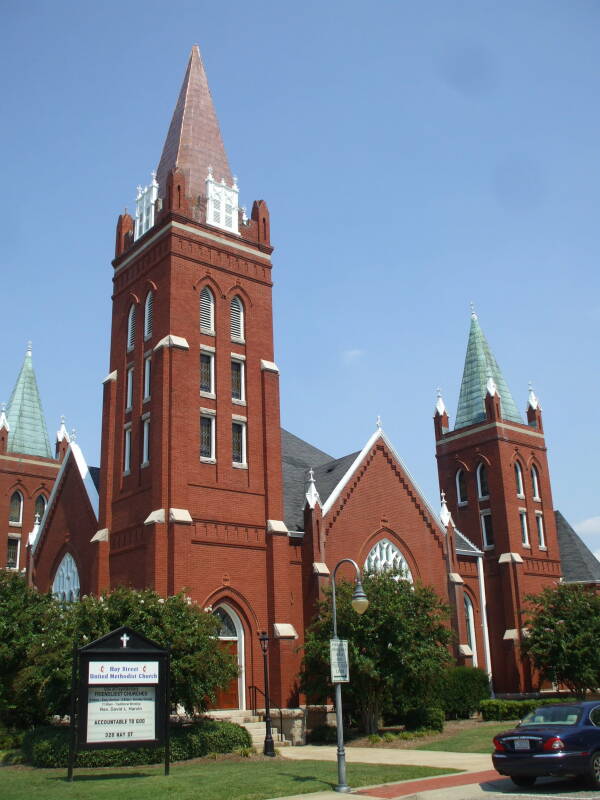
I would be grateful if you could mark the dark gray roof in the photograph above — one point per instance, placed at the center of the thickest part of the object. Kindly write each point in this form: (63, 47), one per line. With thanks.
(578, 561)
(95, 475)
(464, 545)
(297, 458)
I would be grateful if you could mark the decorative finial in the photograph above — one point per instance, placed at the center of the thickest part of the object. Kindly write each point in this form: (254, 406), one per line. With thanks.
(3, 421)
(3, 407)
(29, 347)
(440, 406)
(62, 433)
(533, 401)
(378, 423)
(445, 514)
(73, 435)
(473, 312)
(36, 519)
(210, 171)
(312, 495)
(443, 496)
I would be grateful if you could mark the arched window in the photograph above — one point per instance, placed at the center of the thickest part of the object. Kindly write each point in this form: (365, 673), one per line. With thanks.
(65, 586)
(482, 482)
(207, 311)
(15, 514)
(237, 319)
(470, 624)
(40, 505)
(148, 308)
(131, 328)
(461, 487)
(385, 557)
(519, 479)
(231, 639)
(535, 483)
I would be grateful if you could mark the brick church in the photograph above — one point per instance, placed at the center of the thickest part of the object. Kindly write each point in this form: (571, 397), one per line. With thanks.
(200, 490)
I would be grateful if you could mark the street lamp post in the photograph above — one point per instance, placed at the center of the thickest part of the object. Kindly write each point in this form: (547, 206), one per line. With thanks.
(269, 747)
(360, 603)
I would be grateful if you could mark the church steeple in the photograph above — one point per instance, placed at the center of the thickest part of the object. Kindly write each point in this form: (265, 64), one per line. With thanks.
(194, 144)
(27, 426)
(480, 368)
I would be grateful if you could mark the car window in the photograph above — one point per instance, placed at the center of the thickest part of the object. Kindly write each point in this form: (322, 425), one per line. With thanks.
(555, 715)
(595, 716)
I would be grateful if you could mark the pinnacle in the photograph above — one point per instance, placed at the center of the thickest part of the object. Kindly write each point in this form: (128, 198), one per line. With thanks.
(194, 142)
(27, 431)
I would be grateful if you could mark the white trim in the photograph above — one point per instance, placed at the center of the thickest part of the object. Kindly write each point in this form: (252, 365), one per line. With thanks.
(101, 535)
(236, 420)
(239, 418)
(470, 623)
(465, 650)
(284, 630)
(518, 470)
(486, 512)
(209, 348)
(129, 389)
(482, 466)
(510, 558)
(172, 341)
(241, 655)
(511, 634)
(461, 502)
(237, 356)
(16, 523)
(454, 577)
(210, 392)
(483, 614)
(211, 415)
(321, 569)
(268, 366)
(208, 412)
(242, 364)
(487, 427)
(147, 388)
(276, 526)
(74, 451)
(539, 517)
(155, 517)
(524, 527)
(180, 515)
(16, 537)
(111, 377)
(535, 482)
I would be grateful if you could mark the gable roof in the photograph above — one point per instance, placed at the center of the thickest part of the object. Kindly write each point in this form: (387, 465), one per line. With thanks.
(480, 365)
(89, 476)
(579, 564)
(27, 427)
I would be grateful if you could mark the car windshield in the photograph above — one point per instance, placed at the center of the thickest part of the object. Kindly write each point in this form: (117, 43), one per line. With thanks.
(553, 715)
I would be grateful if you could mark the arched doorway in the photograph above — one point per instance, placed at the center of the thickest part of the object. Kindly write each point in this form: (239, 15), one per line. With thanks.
(231, 639)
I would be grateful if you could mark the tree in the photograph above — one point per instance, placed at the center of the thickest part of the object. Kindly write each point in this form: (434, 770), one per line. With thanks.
(398, 649)
(199, 667)
(21, 612)
(563, 632)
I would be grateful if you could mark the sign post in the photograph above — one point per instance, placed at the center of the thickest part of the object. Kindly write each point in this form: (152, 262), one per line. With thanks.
(122, 695)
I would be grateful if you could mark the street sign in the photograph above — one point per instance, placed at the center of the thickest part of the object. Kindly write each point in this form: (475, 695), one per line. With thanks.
(338, 654)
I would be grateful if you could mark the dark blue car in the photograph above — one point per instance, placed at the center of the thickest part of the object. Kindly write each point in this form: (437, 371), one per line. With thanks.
(552, 740)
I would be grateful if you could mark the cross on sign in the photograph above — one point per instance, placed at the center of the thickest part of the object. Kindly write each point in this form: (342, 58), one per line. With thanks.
(125, 639)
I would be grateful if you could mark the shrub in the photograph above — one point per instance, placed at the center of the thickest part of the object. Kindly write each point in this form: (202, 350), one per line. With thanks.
(514, 709)
(10, 738)
(463, 690)
(389, 737)
(373, 738)
(48, 746)
(322, 734)
(424, 717)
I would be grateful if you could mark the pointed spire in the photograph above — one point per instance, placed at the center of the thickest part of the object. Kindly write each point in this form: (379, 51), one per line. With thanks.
(27, 431)
(312, 495)
(62, 435)
(480, 367)
(3, 420)
(194, 140)
(533, 400)
(439, 405)
(445, 514)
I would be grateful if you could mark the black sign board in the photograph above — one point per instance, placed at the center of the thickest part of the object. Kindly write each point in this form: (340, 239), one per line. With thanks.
(120, 692)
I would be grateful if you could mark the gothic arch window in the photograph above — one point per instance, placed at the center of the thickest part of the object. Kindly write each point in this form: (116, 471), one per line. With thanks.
(483, 489)
(15, 514)
(148, 314)
(535, 482)
(131, 327)
(470, 625)
(386, 557)
(231, 634)
(40, 505)
(237, 319)
(461, 487)
(65, 586)
(519, 479)
(207, 311)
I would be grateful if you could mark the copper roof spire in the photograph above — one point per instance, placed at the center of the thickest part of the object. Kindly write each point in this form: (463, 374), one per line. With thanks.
(194, 142)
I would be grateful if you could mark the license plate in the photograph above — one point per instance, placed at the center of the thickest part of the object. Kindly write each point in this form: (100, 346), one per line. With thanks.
(522, 744)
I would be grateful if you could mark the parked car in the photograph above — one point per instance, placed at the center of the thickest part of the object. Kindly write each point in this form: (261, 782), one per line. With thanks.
(552, 740)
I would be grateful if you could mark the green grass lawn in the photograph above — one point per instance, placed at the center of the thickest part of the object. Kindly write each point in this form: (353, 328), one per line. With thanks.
(226, 779)
(477, 739)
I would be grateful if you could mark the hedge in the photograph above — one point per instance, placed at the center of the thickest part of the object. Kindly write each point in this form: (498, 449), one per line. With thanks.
(48, 746)
(515, 709)
(463, 690)
(424, 717)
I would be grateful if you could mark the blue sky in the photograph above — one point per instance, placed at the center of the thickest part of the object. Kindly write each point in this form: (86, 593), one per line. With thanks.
(414, 156)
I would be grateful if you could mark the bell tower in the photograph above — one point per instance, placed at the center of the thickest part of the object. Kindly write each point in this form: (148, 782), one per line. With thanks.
(493, 468)
(191, 488)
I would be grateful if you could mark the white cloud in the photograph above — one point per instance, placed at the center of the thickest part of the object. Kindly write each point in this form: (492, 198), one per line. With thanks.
(350, 356)
(588, 527)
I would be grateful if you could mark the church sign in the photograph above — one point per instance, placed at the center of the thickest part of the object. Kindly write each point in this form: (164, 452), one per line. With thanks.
(338, 654)
(120, 694)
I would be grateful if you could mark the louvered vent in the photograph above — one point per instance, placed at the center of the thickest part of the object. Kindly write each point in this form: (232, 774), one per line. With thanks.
(148, 309)
(131, 328)
(237, 319)
(207, 311)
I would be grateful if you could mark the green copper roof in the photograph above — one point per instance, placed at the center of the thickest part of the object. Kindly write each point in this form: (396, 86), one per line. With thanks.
(480, 364)
(27, 432)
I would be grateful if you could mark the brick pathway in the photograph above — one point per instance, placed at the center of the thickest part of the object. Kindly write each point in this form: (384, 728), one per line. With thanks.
(405, 788)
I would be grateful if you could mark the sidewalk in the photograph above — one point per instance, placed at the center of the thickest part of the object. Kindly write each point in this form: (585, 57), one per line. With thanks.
(477, 769)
